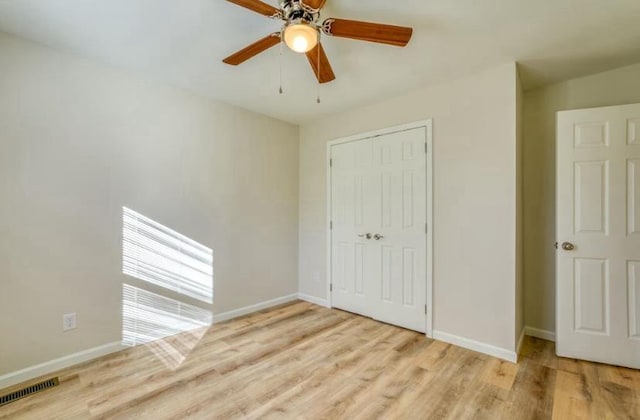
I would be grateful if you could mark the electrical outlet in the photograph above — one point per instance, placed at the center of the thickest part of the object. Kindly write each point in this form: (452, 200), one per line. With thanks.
(69, 322)
(316, 276)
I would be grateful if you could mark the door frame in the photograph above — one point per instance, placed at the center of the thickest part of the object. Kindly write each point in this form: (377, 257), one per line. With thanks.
(428, 125)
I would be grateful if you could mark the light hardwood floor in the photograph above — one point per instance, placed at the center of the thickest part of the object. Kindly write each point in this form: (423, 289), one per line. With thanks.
(304, 361)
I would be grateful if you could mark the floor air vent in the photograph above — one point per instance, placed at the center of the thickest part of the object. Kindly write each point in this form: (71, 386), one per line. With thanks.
(29, 390)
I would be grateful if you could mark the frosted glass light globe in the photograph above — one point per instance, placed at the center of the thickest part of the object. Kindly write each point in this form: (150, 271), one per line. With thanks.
(301, 37)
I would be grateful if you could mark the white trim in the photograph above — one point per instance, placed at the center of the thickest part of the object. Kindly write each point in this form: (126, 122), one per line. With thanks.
(430, 227)
(52, 366)
(478, 346)
(538, 333)
(225, 316)
(381, 132)
(314, 300)
(520, 341)
(428, 125)
(328, 226)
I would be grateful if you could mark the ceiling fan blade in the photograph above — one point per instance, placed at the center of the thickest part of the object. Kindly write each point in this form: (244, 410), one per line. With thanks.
(398, 36)
(322, 69)
(315, 4)
(258, 7)
(253, 49)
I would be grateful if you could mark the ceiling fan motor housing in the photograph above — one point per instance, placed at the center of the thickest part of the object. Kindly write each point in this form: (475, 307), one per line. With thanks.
(296, 10)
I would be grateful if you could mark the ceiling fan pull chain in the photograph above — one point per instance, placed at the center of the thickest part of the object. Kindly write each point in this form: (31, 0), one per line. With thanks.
(281, 52)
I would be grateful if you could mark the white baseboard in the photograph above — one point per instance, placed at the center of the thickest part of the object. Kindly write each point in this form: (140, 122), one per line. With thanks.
(225, 316)
(538, 333)
(33, 372)
(478, 346)
(314, 300)
(51, 366)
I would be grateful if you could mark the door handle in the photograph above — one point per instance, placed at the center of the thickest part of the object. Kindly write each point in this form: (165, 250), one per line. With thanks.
(377, 236)
(568, 246)
(365, 235)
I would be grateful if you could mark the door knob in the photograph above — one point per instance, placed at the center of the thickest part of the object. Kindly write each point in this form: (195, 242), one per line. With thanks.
(365, 235)
(377, 236)
(568, 246)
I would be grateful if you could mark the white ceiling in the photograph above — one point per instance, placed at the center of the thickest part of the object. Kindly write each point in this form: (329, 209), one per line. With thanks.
(182, 42)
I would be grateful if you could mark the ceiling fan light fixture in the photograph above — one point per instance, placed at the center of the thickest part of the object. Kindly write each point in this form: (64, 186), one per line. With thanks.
(301, 37)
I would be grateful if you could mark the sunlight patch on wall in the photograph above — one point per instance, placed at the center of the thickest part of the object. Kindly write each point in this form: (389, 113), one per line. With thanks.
(170, 328)
(156, 254)
(148, 316)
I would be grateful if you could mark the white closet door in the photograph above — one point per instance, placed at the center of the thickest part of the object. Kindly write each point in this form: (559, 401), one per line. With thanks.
(378, 194)
(598, 211)
(352, 198)
(399, 282)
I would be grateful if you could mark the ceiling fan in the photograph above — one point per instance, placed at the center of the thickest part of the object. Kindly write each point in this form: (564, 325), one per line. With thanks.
(301, 33)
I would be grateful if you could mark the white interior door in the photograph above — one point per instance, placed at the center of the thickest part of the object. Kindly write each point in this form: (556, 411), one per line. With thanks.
(352, 198)
(379, 218)
(399, 215)
(598, 212)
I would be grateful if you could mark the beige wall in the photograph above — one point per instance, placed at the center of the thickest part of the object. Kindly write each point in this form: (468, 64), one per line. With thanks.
(474, 198)
(616, 87)
(77, 142)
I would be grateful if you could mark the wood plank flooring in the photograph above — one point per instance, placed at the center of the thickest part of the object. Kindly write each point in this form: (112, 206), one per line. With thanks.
(303, 361)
